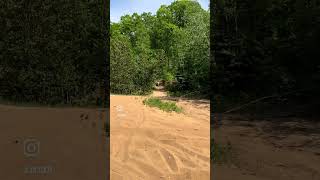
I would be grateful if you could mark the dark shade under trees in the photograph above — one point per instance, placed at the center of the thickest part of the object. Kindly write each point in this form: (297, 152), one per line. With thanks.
(266, 48)
(54, 52)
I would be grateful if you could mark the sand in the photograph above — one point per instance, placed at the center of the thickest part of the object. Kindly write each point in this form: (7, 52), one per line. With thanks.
(148, 144)
(72, 143)
(283, 149)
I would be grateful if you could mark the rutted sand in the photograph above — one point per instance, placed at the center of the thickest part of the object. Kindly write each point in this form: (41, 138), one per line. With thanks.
(287, 149)
(147, 143)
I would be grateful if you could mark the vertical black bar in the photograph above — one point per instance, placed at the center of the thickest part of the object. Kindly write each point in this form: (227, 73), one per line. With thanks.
(106, 30)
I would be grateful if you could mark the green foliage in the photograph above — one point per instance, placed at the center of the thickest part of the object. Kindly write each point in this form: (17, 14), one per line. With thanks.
(122, 66)
(134, 65)
(264, 47)
(196, 59)
(174, 41)
(168, 77)
(53, 52)
(165, 106)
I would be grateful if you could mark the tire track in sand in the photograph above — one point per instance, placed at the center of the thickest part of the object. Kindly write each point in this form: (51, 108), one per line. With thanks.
(147, 143)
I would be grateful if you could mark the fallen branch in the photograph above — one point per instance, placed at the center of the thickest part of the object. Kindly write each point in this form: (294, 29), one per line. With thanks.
(251, 102)
(260, 99)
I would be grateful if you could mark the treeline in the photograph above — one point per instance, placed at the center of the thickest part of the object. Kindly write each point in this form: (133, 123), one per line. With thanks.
(266, 47)
(54, 52)
(172, 43)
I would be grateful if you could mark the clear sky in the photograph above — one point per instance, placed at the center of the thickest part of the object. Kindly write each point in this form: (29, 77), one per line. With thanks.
(123, 7)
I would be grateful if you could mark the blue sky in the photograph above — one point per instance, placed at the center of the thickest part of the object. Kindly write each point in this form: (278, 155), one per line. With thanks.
(123, 7)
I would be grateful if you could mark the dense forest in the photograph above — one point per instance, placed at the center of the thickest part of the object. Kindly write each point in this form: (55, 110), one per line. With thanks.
(173, 43)
(264, 62)
(54, 52)
(266, 48)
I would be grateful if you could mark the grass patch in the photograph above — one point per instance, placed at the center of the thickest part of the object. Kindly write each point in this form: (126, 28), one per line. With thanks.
(165, 106)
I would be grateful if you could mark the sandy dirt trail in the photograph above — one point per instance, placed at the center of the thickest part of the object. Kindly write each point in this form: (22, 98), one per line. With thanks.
(147, 143)
(285, 149)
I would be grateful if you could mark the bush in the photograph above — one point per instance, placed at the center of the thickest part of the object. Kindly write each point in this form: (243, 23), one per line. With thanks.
(168, 78)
